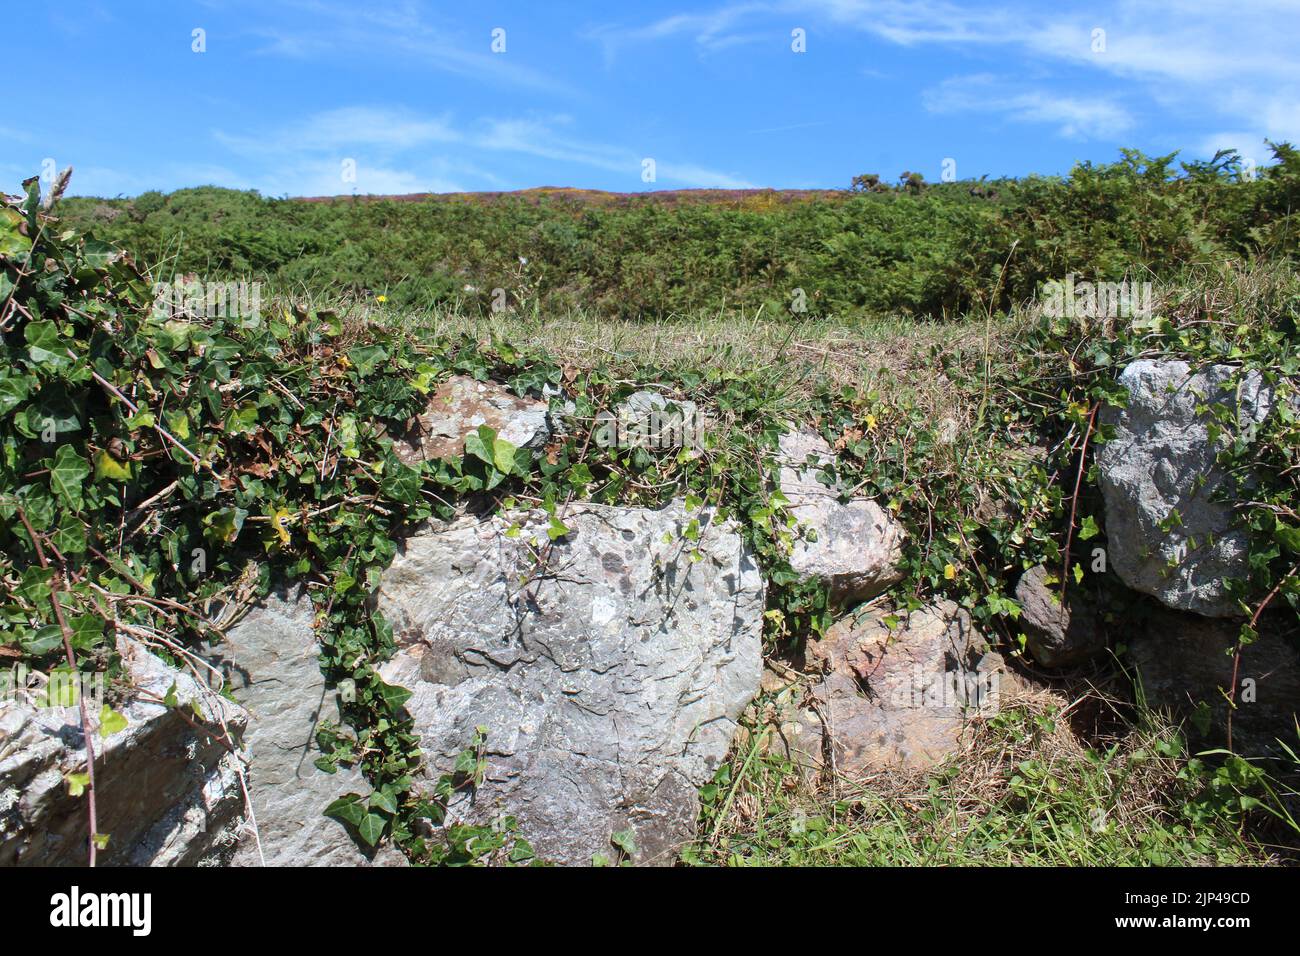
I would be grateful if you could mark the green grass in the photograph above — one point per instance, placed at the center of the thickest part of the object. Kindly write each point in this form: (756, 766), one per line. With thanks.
(1027, 792)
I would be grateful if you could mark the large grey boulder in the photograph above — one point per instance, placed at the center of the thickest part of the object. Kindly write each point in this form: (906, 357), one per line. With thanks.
(167, 784)
(1167, 535)
(854, 548)
(609, 667)
(270, 659)
(898, 698)
(1060, 630)
(458, 407)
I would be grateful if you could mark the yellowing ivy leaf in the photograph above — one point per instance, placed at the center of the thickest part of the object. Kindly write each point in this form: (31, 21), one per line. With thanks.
(280, 522)
(109, 468)
(110, 721)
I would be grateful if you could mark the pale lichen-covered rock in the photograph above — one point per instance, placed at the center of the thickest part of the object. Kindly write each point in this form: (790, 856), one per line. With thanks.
(165, 789)
(271, 662)
(1059, 631)
(1167, 535)
(609, 677)
(458, 407)
(854, 548)
(899, 698)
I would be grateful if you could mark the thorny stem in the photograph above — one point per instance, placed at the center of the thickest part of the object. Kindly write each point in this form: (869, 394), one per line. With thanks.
(1236, 652)
(55, 591)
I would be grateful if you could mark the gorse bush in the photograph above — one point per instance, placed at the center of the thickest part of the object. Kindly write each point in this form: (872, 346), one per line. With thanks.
(937, 250)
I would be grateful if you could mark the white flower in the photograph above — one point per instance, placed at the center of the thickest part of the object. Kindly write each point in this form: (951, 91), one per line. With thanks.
(523, 261)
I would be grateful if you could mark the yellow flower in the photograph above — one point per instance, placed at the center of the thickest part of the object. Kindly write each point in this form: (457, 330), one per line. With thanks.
(871, 423)
(381, 299)
(949, 572)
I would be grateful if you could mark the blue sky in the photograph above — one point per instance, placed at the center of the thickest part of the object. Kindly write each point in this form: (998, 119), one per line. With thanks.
(287, 91)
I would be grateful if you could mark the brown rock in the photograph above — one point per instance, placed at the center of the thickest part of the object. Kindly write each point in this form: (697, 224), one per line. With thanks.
(458, 407)
(901, 698)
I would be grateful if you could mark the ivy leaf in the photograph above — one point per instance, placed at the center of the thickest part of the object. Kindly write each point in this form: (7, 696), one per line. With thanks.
(35, 585)
(99, 254)
(42, 641)
(402, 483)
(110, 721)
(68, 471)
(77, 783)
(70, 536)
(382, 800)
(625, 840)
(371, 828)
(1088, 529)
(14, 389)
(392, 696)
(44, 347)
(280, 524)
(348, 437)
(330, 322)
(1288, 536)
(108, 468)
(349, 808)
(223, 526)
(503, 455)
(365, 358)
(479, 444)
(13, 244)
(87, 631)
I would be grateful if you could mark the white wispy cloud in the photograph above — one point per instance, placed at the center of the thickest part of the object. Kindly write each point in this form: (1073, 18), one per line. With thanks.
(711, 31)
(393, 151)
(1075, 117)
(9, 134)
(346, 127)
(1218, 63)
(406, 31)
